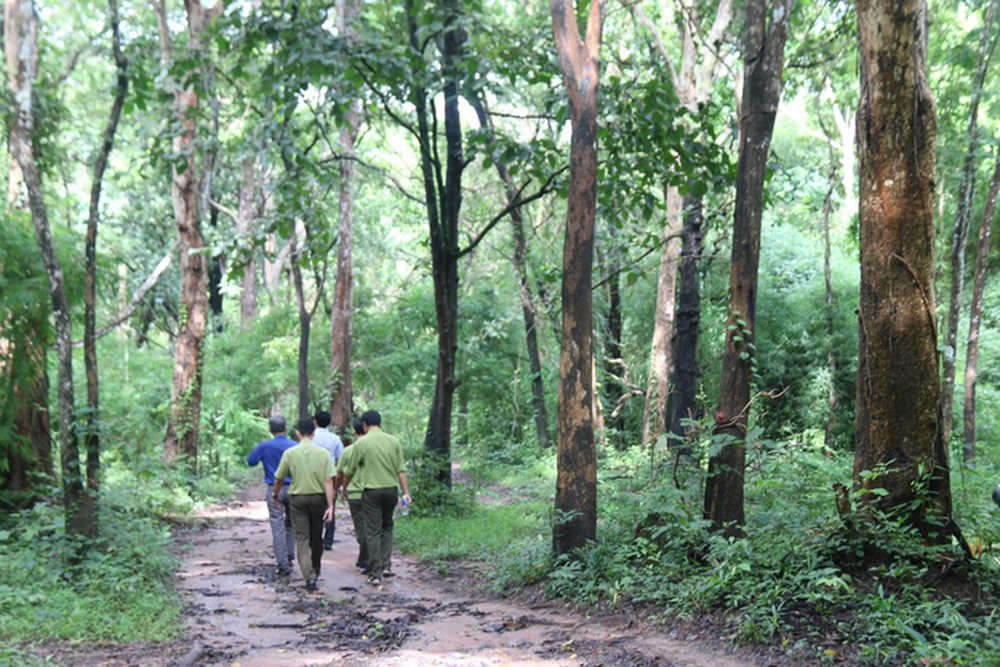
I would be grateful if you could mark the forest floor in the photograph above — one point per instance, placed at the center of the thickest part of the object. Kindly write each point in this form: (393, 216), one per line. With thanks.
(239, 614)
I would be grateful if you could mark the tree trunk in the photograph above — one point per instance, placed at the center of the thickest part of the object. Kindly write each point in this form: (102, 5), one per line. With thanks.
(661, 360)
(763, 53)
(898, 389)
(683, 402)
(20, 26)
(693, 82)
(576, 457)
(963, 218)
(185, 396)
(443, 206)
(975, 319)
(247, 211)
(342, 318)
(305, 321)
(614, 364)
(92, 439)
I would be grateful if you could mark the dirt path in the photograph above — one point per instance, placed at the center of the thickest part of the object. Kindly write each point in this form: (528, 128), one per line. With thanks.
(239, 614)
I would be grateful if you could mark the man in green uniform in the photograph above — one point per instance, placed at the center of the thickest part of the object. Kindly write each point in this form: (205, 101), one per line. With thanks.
(352, 492)
(312, 497)
(383, 471)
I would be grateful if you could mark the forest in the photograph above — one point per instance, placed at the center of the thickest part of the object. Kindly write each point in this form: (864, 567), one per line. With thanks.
(705, 286)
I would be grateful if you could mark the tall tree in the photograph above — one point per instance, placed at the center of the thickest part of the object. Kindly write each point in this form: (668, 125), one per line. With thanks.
(92, 439)
(693, 80)
(764, 33)
(20, 31)
(342, 317)
(187, 195)
(898, 389)
(576, 456)
(963, 218)
(975, 319)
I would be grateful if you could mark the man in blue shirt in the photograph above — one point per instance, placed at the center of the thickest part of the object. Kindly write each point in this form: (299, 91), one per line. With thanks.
(269, 453)
(332, 443)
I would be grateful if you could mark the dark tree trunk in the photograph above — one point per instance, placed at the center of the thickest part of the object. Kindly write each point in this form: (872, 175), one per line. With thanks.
(576, 457)
(614, 364)
(898, 386)
(92, 439)
(342, 318)
(763, 53)
(247, 210)
(215, 272)
(975, 319)
(684, 400)
(963, 221)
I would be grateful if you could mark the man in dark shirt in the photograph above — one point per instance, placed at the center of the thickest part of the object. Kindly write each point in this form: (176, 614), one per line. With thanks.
(269, 454)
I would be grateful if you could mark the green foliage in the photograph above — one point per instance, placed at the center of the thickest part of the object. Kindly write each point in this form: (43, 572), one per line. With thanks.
(117, 588)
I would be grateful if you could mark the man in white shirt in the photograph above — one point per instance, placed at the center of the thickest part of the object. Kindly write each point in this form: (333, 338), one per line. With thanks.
(331, 442)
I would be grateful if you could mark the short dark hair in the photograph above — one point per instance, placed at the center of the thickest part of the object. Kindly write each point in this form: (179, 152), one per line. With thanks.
(358, 426)
(322, 418)
(306, 426)
(276, 424)
(372, 418)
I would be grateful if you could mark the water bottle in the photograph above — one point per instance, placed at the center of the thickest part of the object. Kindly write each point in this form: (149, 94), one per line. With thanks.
(405, 509)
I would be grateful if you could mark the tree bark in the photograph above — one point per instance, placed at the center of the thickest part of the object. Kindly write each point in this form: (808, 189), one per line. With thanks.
(20, 28)
(963, 218)
(185, 396)
(247, 214)
(683, 402)
(342, 317)
(576, 457)
(764, 36)
(92, 439)
(975, 319)
(898, 387)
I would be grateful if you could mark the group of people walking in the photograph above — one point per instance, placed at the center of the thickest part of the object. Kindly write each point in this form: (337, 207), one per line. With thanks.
(305, 478)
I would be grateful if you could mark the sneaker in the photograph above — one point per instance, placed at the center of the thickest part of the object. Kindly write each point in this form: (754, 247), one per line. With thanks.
(284, 572)
(311, 585)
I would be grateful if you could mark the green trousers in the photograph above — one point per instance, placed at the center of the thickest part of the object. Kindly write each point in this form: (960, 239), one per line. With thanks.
(377, 505)
(307, 524)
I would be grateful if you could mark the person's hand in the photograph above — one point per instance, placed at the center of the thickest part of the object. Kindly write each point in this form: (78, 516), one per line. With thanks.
(328, 515)
(275, 501)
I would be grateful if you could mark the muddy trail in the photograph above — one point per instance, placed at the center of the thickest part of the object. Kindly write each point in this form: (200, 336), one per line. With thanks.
(240, 614)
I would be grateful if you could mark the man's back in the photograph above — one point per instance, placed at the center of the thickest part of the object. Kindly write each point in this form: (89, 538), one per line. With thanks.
(329, 441)
(269, 453)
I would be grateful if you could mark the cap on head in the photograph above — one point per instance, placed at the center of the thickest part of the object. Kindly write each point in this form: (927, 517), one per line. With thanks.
(276, 424)
(306, 426)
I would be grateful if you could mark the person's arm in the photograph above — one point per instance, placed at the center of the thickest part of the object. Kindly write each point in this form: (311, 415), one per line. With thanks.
(406, 487)
(278, 483)
(328, 514)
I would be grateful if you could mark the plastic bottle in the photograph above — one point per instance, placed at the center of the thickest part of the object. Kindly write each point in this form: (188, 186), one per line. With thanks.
(405, 509)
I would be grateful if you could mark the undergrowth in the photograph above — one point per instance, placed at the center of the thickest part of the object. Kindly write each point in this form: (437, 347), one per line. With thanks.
(799, 583)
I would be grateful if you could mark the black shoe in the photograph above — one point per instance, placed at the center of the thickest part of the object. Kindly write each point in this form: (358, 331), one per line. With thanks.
(311, 585)
(328, 547)
(364, 570)
(284, 572)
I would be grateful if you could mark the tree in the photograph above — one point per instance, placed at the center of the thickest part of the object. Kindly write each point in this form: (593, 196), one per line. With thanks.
(20, 29)
(92, 439)
(963, 217)
(898, 416)
(975, 319)
(764, 34)
(342, 317)
(187, 186)
(576, 457)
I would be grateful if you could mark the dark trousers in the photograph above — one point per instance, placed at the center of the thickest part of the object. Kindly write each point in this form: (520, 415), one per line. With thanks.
(358, 518)
(328, 533)
(307, 523)
(378, 506)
